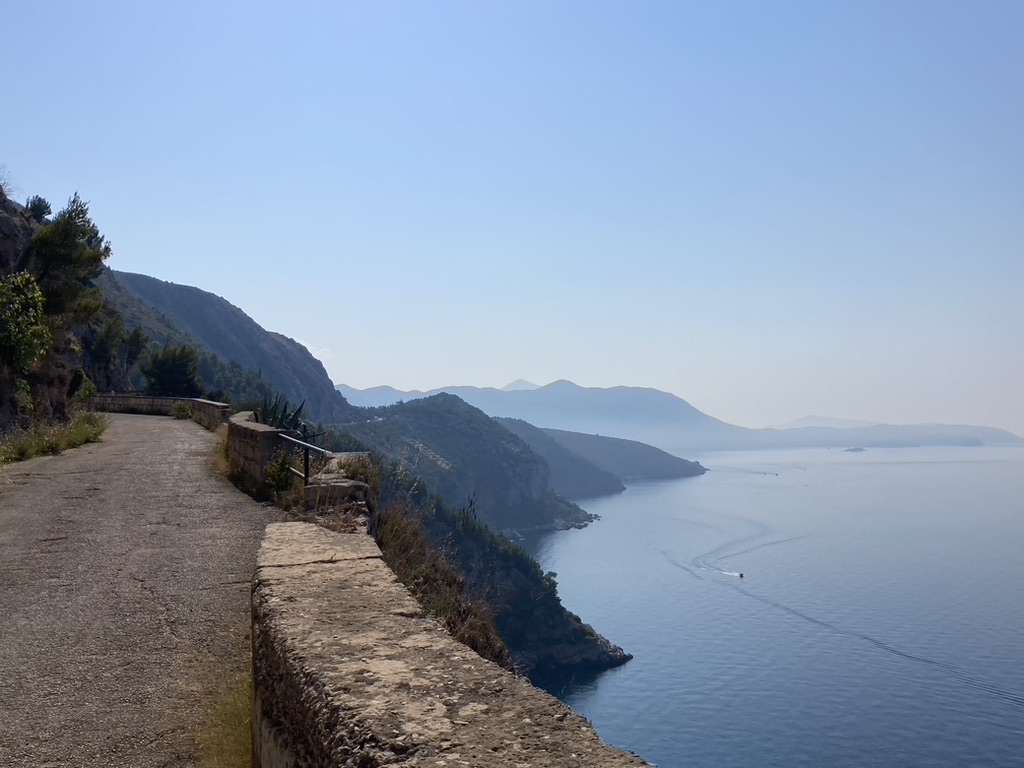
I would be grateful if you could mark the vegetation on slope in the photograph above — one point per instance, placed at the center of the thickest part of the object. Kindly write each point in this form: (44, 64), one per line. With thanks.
(471, 577)
(49, 312)
(628, 459)
(460, 453)
(222, 380)
(182, 314)
(436, 582)
(571, 475)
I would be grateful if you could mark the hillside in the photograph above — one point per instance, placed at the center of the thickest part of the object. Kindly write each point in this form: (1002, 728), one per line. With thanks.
(629, 459)
(461, 454)
(546, 641)
(572, 476)
(182, 314)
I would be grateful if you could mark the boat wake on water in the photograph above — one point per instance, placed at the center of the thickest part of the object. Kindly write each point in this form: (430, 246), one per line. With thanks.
(710, 562)
(680, 566)
(954, 672)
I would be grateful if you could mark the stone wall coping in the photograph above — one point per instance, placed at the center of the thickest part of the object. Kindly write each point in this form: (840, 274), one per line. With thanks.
(304, 544)
(245, 419)
(170, 398)
(347, 670)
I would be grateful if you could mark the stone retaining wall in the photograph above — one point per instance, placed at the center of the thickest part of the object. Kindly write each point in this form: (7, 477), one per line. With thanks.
(347, 671)
(251, 447)
(206, 412)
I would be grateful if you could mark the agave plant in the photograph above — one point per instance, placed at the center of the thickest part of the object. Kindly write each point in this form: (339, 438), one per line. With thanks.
(279, 413)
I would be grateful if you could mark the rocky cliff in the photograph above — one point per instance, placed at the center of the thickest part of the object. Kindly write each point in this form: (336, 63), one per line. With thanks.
(16, 231)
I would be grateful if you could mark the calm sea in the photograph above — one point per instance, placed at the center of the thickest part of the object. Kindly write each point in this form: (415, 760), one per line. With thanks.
(880, 619)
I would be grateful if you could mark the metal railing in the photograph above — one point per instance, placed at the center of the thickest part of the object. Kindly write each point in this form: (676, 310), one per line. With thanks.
(306, 448)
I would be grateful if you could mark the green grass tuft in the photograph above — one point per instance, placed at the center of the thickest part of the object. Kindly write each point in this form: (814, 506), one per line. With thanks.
(49, 438)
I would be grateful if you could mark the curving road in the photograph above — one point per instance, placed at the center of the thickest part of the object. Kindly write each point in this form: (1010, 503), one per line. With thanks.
(124, 597)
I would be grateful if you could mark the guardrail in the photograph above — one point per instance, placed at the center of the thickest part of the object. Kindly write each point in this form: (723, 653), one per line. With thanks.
(306, 448)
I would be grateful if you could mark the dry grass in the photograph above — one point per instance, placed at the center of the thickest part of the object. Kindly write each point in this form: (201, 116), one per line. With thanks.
(437, 584)
(47, 439)
(226, 741)
(219, 460)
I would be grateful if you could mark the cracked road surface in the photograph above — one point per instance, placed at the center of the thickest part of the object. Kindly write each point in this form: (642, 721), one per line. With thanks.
(124, 597)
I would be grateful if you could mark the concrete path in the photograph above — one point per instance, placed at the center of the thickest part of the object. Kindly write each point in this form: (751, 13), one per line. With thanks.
(124, 597)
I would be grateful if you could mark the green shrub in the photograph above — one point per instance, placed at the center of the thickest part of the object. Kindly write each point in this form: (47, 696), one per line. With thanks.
(38, 208)
(172, 372)
(279, 477)
(279, 413)
(86, 390)
(23, 398)
(182, 410)
(24, 334)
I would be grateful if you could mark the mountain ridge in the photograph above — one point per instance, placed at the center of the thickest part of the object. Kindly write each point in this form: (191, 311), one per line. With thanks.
(668, 422)
(186, 314)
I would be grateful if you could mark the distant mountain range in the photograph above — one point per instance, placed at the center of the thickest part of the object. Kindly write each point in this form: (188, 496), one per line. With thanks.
(825, 421)
(519, 384)
(670, 423)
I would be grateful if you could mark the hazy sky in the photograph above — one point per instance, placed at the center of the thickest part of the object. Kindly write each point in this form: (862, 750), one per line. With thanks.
(770, 209)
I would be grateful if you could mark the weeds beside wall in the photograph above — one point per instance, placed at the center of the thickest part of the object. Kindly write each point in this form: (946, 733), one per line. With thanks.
(50, 438)
(437, 584)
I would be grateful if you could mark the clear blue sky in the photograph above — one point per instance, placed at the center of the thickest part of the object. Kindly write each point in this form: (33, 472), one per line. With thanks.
(770, 209)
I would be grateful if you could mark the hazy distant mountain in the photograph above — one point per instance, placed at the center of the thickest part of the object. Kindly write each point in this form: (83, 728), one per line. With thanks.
(572, 476)
(825, 421)
(563, 405)
(519, 384)
(670, 423)
(629, 459)
(375, 397)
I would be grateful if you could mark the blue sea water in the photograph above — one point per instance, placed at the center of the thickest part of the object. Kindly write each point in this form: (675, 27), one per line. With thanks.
(880, 620)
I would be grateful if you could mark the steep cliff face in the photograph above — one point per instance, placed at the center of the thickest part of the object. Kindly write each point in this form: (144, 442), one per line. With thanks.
(462, 454)
(16, 231)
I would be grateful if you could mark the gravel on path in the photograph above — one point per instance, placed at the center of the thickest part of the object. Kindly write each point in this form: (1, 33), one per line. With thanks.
(125, 571)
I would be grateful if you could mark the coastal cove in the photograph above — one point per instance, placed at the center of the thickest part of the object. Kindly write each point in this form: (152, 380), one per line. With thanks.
(877, 623)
